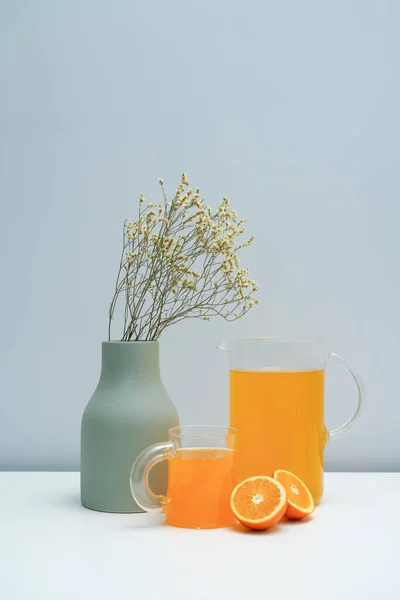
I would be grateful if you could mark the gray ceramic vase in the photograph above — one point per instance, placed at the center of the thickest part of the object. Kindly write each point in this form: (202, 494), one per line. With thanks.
(129, 410)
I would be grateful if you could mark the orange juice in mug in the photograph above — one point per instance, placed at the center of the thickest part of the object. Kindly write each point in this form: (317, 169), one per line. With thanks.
(277, 405)
(201, 477)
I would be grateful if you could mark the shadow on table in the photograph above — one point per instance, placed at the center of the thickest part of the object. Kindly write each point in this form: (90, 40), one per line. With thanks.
(240, 529)
(66, 500)
(135, 525)
(288, 523)
(277, 529)
(135, 520)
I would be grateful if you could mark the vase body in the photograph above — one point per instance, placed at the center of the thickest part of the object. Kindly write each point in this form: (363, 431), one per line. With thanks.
(129, 410)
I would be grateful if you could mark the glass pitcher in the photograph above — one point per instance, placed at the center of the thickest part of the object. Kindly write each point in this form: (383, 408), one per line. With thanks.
(277, 406)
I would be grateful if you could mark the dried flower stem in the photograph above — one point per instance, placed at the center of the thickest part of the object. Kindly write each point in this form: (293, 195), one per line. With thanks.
(179, 260)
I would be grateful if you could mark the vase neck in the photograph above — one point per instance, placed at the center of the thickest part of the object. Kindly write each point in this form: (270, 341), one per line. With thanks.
(138, 359)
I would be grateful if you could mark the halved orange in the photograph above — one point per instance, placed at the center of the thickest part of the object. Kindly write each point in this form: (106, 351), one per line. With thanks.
(300, 503)
(259, 502)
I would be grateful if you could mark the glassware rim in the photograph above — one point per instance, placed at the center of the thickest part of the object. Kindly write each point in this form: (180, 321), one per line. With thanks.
(226, 431)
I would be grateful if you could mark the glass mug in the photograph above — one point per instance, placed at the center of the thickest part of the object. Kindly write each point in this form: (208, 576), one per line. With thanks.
(277, 405)
(201, 477)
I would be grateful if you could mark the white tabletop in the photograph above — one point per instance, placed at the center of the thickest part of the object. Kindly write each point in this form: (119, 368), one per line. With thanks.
(51, 548)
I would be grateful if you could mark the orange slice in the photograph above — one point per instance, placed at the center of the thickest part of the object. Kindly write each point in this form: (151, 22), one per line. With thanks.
(300, 503)
(259, 502)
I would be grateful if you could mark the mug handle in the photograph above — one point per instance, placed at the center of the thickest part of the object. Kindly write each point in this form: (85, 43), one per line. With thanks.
(335, 433)
(139, 479)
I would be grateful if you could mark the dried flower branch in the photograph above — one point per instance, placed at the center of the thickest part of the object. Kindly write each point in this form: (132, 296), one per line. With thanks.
(179, 260)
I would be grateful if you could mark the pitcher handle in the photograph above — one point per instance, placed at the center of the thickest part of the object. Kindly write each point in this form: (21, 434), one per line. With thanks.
(139, 479)
(335, 433)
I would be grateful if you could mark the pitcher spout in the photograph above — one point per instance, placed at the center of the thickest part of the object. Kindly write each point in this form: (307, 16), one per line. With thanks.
(225, 346)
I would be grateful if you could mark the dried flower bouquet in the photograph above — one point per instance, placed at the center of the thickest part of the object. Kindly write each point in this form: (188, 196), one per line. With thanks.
(180, 260)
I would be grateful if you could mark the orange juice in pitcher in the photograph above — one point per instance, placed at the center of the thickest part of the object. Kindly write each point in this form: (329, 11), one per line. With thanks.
(277, 406)
(289, 409)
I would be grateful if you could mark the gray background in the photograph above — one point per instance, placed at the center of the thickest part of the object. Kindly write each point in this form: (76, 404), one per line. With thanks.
(289, 108)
